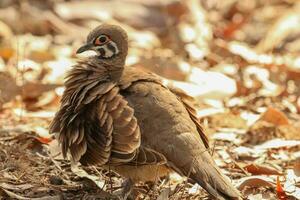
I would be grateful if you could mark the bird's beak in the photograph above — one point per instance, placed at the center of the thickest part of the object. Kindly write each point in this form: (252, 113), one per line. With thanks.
(85, 47)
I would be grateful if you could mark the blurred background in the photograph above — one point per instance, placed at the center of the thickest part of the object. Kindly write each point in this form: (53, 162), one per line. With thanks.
(240, 60)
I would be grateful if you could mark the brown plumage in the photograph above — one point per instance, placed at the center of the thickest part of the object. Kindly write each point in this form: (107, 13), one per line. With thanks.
(126, 119)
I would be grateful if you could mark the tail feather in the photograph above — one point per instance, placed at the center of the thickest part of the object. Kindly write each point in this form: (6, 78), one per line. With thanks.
(214, 182)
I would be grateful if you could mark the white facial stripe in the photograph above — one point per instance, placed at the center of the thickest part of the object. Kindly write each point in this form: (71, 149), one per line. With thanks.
(115, 46)
(108, 53)
(108, 50)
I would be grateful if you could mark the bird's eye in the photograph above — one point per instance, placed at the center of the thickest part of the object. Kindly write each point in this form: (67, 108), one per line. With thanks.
(102, 39)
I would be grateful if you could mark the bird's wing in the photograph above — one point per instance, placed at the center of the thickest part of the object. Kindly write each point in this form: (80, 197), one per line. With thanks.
(133, 75)
(76, 124)
(187, 102)
(96, 124)
(126, 135)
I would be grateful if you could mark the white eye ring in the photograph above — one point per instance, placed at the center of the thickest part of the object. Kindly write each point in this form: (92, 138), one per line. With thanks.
(102, 39)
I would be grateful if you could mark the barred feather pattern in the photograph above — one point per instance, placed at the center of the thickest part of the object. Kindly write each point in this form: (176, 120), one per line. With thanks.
(77, 122)
(96, 124)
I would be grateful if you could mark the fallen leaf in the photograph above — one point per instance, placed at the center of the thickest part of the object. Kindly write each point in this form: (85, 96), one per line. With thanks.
(228, 120)
(290, 131)
(55, 150)
(261, 131)
(75, 167)
(258, 169)
(274, 116)
(41, 56)
(255, 181)
(194, 189)
(32, 90)
(246, 152)
(277, 144)
(203, 85)
(279, 190)
(8, 88)
(16, 187)
(255, 197)
(297, 167)
(40, 114)
(291, 185)
(44, 140)
(13, 195)
(164, 195)
(6, 53)
(230, 137)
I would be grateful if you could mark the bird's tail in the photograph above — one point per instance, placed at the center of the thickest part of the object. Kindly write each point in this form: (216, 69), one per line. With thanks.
(208, 175)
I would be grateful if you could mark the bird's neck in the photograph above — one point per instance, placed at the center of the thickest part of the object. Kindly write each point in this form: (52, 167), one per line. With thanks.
(113, 66)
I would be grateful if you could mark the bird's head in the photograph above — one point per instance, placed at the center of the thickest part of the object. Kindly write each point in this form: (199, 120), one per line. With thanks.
(108, 41)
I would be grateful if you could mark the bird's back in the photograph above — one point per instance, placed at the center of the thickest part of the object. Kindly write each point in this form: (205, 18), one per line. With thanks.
(167, 126)
(164, 122)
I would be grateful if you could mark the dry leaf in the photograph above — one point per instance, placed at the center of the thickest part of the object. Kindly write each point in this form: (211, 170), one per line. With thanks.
(230, 137)
(274, 116)
(246, 152)
(194, 189)
(55, 150)
(228, 120)
(258, 169)
(279, 190)
(289, 132)
(32, 90)
(16, 187)
(291, 185)
(164, 195)
(255, 181)
(277, 144)
(8, 88)
(75, 167)
(41, 56)
(203, 85)
(297, 167)
(13, 195)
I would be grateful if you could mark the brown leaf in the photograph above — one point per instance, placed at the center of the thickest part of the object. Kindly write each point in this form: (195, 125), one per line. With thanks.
(289, 132)
(41, 56)
(13, 195)
(8, 88)
(257, 169)
(164, 195)
(76, 169)
(32, 90)
(297, 167)
(274, 116)
(255, 181)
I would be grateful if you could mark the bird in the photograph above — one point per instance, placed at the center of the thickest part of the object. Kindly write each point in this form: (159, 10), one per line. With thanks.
(127, 120)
